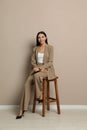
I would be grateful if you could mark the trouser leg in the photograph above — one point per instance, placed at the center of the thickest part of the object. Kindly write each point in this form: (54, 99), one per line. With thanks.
(25, 99)
(38, 78)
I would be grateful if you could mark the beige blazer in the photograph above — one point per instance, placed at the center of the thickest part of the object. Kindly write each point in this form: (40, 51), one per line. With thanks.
(47, 62)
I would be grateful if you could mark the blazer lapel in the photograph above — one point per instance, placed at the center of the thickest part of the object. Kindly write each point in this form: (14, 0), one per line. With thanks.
(36, 53)
(45, 53)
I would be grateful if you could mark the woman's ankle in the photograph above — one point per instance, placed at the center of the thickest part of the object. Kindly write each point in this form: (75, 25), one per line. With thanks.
(20, 112)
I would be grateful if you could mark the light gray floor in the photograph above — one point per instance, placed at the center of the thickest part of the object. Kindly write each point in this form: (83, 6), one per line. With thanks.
(68, 120)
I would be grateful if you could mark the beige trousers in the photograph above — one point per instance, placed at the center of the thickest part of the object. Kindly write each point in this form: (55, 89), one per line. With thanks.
(38, 81)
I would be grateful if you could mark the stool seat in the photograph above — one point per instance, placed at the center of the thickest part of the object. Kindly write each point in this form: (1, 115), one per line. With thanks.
(51, 79)
(46, 95)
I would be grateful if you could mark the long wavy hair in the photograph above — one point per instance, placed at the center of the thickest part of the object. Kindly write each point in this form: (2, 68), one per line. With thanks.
(37, 42)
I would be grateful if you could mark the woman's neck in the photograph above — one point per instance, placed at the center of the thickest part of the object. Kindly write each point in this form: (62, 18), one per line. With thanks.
(43, 45)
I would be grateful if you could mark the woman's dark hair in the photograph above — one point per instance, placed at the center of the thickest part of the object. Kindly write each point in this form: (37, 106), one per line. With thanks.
(37, 42)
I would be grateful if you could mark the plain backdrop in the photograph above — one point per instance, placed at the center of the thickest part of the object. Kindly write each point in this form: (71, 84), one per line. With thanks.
(65, 23)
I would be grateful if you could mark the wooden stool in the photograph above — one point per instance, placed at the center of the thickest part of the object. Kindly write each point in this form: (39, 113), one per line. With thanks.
(46, 96)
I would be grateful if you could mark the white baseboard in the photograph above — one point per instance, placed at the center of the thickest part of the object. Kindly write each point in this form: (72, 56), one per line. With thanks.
(73, 106)
(4, 107)
(62, 107)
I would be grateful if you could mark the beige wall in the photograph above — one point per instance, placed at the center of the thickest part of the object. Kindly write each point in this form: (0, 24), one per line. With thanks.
(65, 22)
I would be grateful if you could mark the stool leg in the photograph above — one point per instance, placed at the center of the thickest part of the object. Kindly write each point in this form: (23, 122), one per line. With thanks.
(34, 102)
(57, 96)
(44, 97)
(48, 95)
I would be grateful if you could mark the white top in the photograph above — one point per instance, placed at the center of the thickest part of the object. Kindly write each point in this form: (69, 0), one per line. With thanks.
(40, 57)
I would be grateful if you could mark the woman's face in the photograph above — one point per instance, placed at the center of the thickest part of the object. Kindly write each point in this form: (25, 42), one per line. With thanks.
(41, 38)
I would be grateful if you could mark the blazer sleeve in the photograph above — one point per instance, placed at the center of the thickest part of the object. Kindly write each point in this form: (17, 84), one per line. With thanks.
(50, 61)
(33, 58)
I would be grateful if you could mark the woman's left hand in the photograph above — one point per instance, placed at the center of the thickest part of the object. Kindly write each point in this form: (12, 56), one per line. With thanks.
(43, 70)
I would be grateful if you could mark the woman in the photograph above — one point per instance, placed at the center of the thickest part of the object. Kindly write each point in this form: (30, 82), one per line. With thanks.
(42, 66)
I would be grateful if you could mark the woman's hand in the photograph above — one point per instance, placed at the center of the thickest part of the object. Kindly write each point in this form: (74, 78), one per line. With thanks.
(36, 69)
(43, 70)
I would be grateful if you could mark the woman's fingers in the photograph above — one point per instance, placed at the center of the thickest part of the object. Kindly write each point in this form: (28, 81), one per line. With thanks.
(35, 69)
(43, 70)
